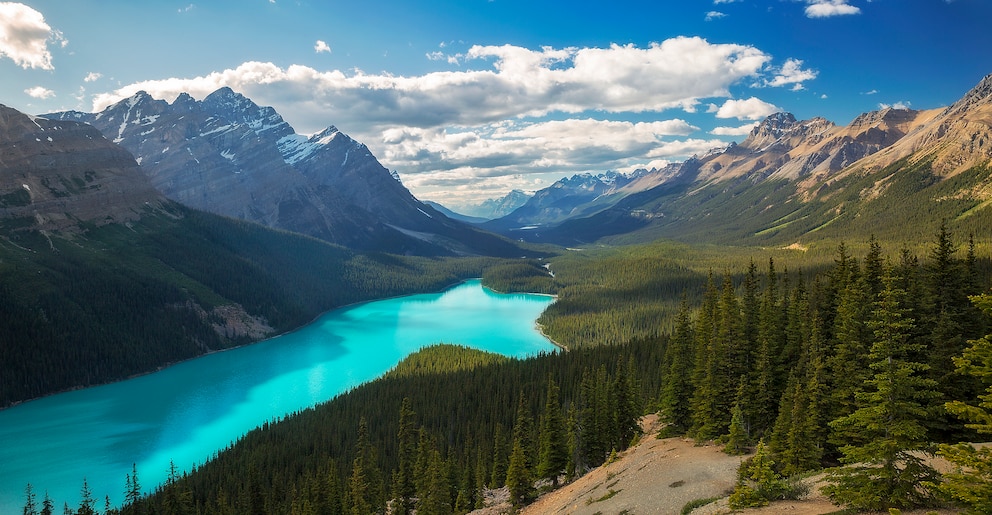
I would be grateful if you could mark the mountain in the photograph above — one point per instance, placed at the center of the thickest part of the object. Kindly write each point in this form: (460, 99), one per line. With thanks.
(102, 277)
(566, 198)
(892, 172)
(455, 216)
(58, 175)
(495, 207)
(229, 156)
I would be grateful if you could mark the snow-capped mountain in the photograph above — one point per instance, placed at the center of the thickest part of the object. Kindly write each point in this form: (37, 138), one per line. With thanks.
(227, 155)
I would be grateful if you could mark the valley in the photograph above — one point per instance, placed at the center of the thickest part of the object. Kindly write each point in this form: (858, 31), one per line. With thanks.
(814, 296)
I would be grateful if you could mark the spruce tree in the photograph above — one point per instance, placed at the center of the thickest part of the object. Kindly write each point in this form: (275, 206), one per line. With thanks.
(971, 484)
(30, 501)
(677, 382)
(404, 487)
(553, 451)
(881, 470)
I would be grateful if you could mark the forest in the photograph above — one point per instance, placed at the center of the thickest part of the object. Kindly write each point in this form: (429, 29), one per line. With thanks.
(85, 309)
(858, 367)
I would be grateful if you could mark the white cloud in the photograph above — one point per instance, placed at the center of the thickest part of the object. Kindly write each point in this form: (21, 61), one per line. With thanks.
(714, 15)
(321, 47)
(828, 8)
(482, 125)
(792, 73)
(40, 92)
(750, 109)
(92, 77)
(902, 105)
(718, 2)
(743, 130)
(871, 92)
(518, 82)
(24, 36)
(187, 9)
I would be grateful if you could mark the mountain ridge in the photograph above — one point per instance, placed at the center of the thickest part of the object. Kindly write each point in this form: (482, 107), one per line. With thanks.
(792, 178)
(227, 155)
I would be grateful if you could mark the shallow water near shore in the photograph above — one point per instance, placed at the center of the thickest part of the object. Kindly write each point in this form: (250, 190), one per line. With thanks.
(188, 412)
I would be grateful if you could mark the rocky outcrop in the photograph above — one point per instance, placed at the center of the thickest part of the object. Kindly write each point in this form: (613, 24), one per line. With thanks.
(58, 174)
(227, 155)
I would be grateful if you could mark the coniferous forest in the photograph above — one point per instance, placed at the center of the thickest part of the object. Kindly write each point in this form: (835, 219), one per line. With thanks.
(862, 367)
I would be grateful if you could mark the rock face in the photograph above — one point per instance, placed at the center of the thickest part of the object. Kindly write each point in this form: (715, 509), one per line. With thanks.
(59, 174)
(227, 155)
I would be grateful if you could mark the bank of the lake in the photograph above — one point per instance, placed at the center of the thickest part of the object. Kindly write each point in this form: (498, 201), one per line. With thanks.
(189, 411)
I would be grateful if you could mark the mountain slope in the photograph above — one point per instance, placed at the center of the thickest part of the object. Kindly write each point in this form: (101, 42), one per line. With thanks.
(893, 173)
(57, 175)
(229, 156)
(102, 278)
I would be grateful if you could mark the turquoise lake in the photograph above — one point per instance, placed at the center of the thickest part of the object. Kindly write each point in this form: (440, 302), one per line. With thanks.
(188, 412)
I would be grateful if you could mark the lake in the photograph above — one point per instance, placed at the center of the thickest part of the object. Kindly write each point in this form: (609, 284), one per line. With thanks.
(188, 412)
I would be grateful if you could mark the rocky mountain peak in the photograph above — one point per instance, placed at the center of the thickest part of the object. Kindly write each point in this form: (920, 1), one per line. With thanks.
(58, 173)
(769, 131)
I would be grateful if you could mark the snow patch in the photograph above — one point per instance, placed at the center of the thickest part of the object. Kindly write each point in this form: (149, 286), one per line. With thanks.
(25, 186)
(425, 213)
(227, 154)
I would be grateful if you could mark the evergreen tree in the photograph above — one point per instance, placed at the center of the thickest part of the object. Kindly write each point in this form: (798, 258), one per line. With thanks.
(881, 470)
(361, 486)
(677, 382)
(553, 452)
(436, 500)
(518, 477)
(500, 458)
(86, 501)
(971, 483)
(404, 487)
(47, 507)
(30, 501)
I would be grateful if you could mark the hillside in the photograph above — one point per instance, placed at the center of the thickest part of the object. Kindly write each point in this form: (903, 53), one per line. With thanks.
(101, 277)
(227, 155)
(894, 173)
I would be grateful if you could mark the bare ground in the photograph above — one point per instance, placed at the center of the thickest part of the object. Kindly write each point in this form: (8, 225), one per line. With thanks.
(659, 477)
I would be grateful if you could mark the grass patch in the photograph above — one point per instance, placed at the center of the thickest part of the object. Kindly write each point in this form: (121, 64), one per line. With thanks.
(692, 505)
(603, 497)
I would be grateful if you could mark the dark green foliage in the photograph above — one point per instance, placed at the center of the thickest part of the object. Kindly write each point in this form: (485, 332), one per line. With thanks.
(881, 470)
(117, 301)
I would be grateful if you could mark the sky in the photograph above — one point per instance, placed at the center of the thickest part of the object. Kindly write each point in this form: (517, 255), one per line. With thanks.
(468, 99)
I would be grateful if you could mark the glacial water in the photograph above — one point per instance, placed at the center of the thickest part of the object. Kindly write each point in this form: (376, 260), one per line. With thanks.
(188, 412)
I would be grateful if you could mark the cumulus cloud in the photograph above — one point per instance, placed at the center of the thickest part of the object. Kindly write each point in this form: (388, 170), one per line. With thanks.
(519, 82)
(40, 92)
(792, 72)
(750, 109)
(24, 36)
(92, 77)
(484, 123)
(321, 47)
(743, 130)
(714, 15)
(902, 105)
(828, 8)
(469, 164)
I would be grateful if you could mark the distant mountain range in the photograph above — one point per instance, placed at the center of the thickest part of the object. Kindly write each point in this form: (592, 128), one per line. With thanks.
(892, 172)
(229, 156)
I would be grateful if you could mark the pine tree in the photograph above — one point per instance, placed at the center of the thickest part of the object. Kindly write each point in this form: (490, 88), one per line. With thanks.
(436, 500)
(47, 507)
(86, 501)
(404, 487)
(553, 452)
(361, 487)
(881, 470)
(971, 484)
(30, 501)
(518, 477)
(677, 382)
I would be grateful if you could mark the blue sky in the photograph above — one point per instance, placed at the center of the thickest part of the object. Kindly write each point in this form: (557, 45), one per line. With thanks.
(468, 99)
